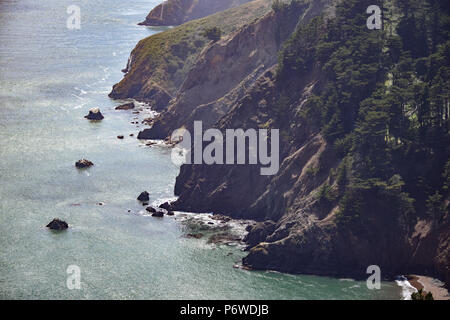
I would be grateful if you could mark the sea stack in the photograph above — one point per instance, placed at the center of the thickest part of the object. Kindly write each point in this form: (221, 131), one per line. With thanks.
(83, 163)
(94, 114)
(144, 196)
(58, 224)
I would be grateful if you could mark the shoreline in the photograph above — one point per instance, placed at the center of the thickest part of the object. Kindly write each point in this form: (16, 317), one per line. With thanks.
(429, 284)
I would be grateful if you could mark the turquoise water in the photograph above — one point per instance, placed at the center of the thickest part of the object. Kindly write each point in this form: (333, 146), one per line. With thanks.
(50, 76)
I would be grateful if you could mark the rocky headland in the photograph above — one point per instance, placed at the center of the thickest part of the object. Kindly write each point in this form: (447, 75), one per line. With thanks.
(335, 207)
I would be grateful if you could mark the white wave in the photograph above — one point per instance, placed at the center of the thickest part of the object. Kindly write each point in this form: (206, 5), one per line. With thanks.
(160, 201)
(82, 92)
(407, 288)
(80, 98)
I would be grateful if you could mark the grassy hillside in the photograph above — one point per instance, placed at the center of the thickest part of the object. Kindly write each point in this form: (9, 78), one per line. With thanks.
(163, 60)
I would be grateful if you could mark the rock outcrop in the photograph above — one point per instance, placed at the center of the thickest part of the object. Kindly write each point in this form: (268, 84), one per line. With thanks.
(83, 163)
(176, 12)
(126, 106)
(144, 197)
(223, 71)
(158, 214)
(232, 83)
(158, 65)
(150, 209)
(95, 115)
(57, 224)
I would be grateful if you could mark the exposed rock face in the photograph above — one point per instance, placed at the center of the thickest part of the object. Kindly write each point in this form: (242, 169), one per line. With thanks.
(83, 163)
(158, 214)
(259, 233)
(232, 84)
(222, 73)
(57, 224)
(165, 206)
(158, 65)
(144, 196)
(151, 209)
(94, 114)
(306, 236)
(176, 12)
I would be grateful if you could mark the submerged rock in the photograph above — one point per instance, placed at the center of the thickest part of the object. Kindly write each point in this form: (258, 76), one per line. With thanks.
(126, 106)
(224, 238)
(144, 196)
(94, 114)
(221, 218)
(195, 235)
(83, 163)
(57, 224)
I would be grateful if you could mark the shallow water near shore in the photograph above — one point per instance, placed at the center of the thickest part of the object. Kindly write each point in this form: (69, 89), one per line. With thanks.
(50, 76)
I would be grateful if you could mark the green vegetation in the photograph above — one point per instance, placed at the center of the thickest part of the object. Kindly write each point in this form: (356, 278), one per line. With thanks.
(165, 58)
(383, 103)
(213, 34)
(326, 196)
(312, 171)
(279, 5)
(420, 295)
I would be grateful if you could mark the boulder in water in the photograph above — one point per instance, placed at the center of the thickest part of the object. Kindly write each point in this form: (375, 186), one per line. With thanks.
(144, 197)
(165, 206)
(151, 209)
(94, 114)
(83, 163)
(58, 224)
(158, 214)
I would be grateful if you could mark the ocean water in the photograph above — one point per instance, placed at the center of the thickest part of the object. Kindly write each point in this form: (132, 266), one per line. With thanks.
(49, 78)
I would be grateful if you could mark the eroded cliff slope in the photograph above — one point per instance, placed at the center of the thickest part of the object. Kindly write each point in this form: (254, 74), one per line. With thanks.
(364, 136)
(158, 65)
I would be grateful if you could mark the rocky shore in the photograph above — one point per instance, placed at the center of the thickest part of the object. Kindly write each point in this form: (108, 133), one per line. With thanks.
(428, 284)
(234, 83)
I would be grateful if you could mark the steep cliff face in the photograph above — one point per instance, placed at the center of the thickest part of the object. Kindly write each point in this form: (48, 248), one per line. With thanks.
(159, 64)
(305, 227)
(176, 12)
(342, 198)
(225, 69)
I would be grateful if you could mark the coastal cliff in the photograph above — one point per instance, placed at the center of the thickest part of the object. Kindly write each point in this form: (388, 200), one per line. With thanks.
(159, 64)
(365, 161)
(176, 12)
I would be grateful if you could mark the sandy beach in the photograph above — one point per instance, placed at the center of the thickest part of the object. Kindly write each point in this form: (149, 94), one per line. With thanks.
(429, 284)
